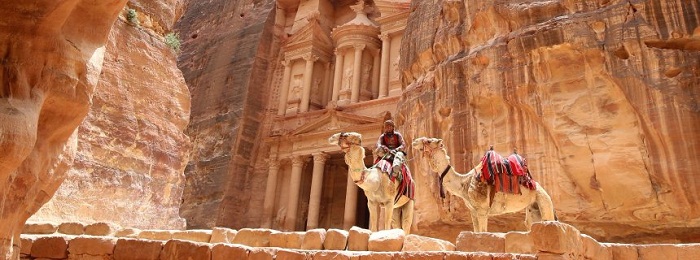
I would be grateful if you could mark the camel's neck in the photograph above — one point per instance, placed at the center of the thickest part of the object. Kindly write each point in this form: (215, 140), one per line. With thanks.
(355, 158)
(452, 180)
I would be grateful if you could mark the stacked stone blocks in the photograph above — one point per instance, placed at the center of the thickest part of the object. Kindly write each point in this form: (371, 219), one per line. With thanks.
(546, 240)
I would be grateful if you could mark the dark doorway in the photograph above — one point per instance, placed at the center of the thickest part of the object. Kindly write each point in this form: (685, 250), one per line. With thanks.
(362, 216)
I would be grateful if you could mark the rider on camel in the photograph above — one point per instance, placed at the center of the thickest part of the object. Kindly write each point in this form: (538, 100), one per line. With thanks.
(391, 145)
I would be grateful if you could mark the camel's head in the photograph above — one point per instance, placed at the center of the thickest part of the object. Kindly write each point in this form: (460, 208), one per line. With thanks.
(345, 140)
(427, 146)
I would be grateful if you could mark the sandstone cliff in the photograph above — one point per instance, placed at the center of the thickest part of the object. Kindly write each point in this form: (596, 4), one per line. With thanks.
(600, 96)
(51, 63)
(132, 149)
(225, 61)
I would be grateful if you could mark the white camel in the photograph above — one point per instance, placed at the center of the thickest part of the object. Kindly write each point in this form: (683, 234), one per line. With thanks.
(379, 189)
(476, 194)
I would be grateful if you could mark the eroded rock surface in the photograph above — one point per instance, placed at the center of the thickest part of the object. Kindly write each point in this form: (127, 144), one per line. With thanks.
(132, 149)
(600, 96)
(51, 64)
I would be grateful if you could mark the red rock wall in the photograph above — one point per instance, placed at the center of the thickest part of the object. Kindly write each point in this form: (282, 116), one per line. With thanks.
(225, 61)
(600, 96)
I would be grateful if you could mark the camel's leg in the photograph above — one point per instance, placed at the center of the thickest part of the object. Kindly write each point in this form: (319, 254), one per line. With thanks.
(388, 214)
(532, 215)
(480, 220)
(407, 216)
(528, 219)
(544, 202)
(373, 215)
(396, 218)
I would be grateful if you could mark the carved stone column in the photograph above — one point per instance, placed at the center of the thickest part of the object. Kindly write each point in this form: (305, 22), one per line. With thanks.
(350, 204)
(294, 184)
(375, 75)
(327, 84)
(338, 74)
(308, 76)
(316, 188)
(357, 73)
(270, 190)
(384, 73)
(284, 89)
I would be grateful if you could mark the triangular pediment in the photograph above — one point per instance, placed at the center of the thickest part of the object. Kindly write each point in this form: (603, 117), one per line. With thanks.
(336, 121)
(390, 7)
(312, 34)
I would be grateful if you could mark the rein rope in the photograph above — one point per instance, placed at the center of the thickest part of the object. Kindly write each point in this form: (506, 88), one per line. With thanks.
(442, 176)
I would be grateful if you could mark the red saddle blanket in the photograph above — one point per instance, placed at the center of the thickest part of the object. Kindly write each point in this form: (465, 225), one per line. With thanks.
(406, 186)
(505, 174)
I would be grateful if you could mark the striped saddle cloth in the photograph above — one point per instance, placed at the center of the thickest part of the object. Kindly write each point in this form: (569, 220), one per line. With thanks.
(505, 174)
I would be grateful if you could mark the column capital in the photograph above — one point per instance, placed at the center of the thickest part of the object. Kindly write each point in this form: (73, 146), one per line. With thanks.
(298, 160)
(286, 62)
(310, 57)
(321, 157)
(338, 51)
(359, 47)
(384, 37)
(273, 163)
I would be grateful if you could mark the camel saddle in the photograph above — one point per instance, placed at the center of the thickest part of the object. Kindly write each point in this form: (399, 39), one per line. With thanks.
(406, 185)
(505, 174)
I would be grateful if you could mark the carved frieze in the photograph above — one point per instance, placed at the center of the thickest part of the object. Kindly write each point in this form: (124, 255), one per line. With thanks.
(300, 53)
(349, 41)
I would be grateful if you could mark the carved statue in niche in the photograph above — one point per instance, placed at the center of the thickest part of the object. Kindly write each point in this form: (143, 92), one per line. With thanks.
(316, 90)
(347, 76)
(366, 74)
(395, 67)
(296, 87)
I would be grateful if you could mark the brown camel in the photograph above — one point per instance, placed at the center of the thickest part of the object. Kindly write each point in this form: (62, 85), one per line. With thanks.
(476, 194)
(377, 185)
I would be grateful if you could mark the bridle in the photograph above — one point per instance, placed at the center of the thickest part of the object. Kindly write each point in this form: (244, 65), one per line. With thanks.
(428, 153)
(345, 145)
(343, 142)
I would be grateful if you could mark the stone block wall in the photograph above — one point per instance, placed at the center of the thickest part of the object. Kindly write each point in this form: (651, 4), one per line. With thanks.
(546, 240)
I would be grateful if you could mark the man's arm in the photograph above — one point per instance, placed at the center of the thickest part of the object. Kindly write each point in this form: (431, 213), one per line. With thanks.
(379, 141)
(401, 142)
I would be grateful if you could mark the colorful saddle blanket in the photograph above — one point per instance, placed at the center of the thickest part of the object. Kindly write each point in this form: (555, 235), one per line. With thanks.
(505, 174)
(406, 186)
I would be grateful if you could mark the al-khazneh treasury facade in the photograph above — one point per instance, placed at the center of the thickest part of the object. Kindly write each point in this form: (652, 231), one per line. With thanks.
(339, 73)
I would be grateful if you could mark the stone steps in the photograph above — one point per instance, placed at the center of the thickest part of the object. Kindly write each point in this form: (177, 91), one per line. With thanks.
(547, 240)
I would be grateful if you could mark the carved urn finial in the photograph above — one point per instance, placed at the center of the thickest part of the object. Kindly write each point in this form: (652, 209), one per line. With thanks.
(359, 7)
